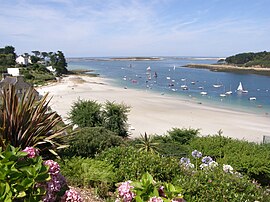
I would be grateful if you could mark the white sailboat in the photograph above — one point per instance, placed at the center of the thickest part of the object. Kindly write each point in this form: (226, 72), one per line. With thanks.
(240, 88)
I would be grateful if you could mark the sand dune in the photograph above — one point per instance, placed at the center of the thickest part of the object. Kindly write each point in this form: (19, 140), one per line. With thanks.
(154, 113)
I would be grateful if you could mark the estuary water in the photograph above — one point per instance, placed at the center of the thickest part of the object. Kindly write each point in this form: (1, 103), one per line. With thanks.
(169, 76)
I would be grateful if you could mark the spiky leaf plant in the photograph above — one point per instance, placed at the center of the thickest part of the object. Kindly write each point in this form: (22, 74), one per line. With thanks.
(27, 122)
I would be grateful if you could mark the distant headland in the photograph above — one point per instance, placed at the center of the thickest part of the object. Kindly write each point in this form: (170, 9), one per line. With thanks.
(253, 63)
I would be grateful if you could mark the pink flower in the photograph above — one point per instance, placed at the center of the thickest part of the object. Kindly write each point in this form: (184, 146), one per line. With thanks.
(71, 196)
(125, 193)
(54, 167)
(31, 151)
(155, 199)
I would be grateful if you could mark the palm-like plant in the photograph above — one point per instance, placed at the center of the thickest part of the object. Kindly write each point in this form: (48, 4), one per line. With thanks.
(147, 143)
(27, 122)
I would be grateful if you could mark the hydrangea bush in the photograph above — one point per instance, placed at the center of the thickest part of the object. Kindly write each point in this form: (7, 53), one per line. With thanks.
(148, 190)
(24, 176)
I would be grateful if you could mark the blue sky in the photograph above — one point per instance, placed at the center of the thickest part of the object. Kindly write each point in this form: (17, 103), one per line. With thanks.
(136, 27)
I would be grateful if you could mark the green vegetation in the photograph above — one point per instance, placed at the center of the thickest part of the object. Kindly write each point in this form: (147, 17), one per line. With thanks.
(89, 141)
(34, 70)
(261, 59)
(26, 122)
(19, 176)
(112, 116)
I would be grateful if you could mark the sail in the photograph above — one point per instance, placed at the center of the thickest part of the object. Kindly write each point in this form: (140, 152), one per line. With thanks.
(148, 68)
(240, 87)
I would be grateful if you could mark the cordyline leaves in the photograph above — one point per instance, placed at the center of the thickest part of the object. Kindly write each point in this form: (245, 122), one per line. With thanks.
(26, 122)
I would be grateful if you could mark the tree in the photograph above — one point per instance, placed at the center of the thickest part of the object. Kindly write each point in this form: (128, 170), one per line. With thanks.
(115, 118)
(183, 136)
(86, 113)
(36, 53)
(58, 61)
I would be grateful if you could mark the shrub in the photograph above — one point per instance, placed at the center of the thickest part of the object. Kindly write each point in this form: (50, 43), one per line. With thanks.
(19, 176)
(85, 172)
(88, 142)
(131, 164)
(86, 113)
(26, 122)
(182, 136)
(115, 118)
(148, 190)
(246, 157)
(216, 185)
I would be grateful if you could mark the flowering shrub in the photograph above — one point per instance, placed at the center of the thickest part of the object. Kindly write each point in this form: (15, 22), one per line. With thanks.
(24, 176)
(147, 190)
(212, 182)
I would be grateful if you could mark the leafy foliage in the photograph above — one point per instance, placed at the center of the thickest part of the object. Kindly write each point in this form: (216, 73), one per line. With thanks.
(131, 164)
(86, 113)
(115, 118)
(147, 143)
(246, 157)
(86, 172)
(216, 185)
(19, 176)
(27, 122)
(250, 59)
(88, 142)
(182, 135)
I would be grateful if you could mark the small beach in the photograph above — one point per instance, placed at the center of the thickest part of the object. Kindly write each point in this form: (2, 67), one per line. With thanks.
(155, 113)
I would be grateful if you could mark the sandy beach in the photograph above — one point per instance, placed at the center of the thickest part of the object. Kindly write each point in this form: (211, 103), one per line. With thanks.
(155, 113)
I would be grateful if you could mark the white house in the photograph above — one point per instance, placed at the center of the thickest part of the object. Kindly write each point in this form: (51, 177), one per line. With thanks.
(51, 69)
(23, 60)
(13, 71)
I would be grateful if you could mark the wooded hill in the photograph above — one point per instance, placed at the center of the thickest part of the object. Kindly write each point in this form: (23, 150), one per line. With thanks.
(261, 59)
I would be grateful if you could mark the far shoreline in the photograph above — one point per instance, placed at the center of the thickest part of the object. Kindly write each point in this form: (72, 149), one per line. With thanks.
(231, 68)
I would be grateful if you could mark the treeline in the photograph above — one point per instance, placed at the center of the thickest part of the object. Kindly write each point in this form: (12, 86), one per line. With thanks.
(261, 59)
(7, 56)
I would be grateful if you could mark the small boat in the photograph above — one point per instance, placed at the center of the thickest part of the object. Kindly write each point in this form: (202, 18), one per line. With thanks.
(155, 74)
(200, 87)
(168, 77)
(183, 79)
(148, 68)
(192, 82)
(222, 95)
(228, 93)
(203, 93)
(217, 85)
(184, 87)
(252, 98)
(240, 89)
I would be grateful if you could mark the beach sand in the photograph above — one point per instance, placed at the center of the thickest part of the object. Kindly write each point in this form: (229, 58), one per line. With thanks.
(154, 113)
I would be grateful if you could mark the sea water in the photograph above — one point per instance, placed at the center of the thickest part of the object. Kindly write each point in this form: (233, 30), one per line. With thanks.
(168, 74)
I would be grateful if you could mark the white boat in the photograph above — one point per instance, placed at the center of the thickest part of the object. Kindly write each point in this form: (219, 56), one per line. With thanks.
(148, 68)
(217, 85)
(222, 95)
(203, 93)
(252, 98)
(228, 93)
(183, 79)
(240, 88)
(184, 87)
(168, 77)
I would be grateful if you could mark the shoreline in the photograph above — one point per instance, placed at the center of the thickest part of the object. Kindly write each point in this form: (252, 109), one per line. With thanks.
(154, 113)
(231, 68)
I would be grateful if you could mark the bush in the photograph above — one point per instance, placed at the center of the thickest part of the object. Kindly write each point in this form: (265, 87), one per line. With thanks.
(90, 141)
(130, 164)
(19, 176)
(115, 118)
(216, 185)
(86, 113)
(85, 172)
(246, 157)
(182, 136)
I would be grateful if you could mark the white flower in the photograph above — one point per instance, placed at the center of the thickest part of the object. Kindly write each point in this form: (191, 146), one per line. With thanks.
(213, 164)
(227, 168)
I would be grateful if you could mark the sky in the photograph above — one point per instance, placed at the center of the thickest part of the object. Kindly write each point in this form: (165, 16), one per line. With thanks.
(96, 28)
